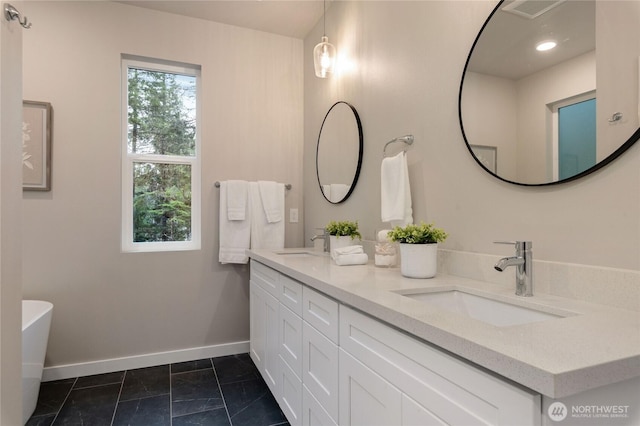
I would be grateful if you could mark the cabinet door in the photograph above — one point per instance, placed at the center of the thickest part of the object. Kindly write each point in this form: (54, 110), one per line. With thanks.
(320, 368)
(271, 361)
(366, 399)
(290, 339)
(257, 329)
(414, 414)
(312, 412)
(264, 311)
(290, 394)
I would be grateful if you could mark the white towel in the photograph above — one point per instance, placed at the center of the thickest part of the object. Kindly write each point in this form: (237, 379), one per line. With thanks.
(395, 194)
(352, 259)
(272, 194)
(265, 234)
(355, 249)
(338, 192)
(237, 191)
(234, 234)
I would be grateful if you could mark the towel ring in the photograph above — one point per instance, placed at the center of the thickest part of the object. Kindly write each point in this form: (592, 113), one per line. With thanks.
(408, 139)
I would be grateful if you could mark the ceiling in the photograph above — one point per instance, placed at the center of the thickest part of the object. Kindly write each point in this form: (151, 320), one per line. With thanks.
(506, 47)
(292, 18)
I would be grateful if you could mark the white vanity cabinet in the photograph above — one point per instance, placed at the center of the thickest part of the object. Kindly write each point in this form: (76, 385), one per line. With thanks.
(388, 375)
(328, 364)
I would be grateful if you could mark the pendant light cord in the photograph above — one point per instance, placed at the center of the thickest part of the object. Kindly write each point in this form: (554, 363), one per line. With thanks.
(324, 17)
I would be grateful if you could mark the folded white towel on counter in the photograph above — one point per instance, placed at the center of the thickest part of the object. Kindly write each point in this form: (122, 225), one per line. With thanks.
(235, 235)
(395, 193)
(272, 195)
(351, 259)
(355, 249)
(265, 234)
(237, 199)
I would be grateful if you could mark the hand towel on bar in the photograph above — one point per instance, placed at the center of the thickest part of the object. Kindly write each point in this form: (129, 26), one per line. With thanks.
(395, 194)
(234, 235)
(355, 249)
(338, 191)
(265, 234)
(271, 194)
(237, 191)
(352, 259)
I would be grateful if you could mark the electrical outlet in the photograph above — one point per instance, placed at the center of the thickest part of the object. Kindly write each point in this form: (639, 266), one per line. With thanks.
(293, 215)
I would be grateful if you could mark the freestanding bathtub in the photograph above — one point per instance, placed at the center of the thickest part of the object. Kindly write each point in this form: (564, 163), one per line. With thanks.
(36, 321)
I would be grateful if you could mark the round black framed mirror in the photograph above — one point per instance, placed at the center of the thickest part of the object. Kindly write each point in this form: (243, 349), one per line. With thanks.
(339, 152)
(537, 118)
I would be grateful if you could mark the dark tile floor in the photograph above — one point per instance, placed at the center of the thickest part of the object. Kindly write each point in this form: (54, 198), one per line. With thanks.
(219, 391)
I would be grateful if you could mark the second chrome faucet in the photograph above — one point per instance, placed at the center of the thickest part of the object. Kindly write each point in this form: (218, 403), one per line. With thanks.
(523, 261)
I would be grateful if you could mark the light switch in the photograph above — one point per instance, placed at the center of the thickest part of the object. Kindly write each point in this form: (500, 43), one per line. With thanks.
(293, 215)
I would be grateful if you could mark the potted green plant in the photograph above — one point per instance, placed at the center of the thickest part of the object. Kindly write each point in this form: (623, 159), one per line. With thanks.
(339, 230)
(418, 248)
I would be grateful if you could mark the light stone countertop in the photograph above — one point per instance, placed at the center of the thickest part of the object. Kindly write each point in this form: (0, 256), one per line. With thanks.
(597, 346)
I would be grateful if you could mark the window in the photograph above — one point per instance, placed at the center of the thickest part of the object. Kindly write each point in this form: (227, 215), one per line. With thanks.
(160, 156)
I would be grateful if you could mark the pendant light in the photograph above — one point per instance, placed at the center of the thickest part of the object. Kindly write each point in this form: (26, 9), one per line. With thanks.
(324, 54)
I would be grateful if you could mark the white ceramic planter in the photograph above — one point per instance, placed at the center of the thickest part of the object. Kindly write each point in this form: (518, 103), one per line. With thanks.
(419, 260)
(340, 242)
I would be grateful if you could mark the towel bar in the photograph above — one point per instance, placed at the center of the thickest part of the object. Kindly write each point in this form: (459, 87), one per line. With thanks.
(286, 185)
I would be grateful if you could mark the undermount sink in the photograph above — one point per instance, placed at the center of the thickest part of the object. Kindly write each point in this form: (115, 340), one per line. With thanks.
(495, 312)
(298, 253)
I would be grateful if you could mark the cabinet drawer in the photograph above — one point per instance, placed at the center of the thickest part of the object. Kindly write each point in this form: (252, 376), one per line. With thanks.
(320, 368)
(290, 394)
(446, 387)
(291, 294)
(265, 277)
(290, 339)
(321, 312)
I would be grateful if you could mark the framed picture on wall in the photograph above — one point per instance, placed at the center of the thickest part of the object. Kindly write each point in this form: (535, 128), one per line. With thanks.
(36, 146)
(488, 156)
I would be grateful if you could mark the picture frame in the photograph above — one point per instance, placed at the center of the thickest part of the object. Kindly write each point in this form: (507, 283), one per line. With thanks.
(36, 145)
(487, 155)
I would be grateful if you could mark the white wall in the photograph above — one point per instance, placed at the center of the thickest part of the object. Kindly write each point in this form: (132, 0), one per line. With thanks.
(408, 59)
(617, 47)
(496, 126)
(10, 222)
(571, 78)
(109, 304)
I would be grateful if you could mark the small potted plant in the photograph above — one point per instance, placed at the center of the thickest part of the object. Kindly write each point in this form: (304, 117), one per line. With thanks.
(418, 248)
(339, 231)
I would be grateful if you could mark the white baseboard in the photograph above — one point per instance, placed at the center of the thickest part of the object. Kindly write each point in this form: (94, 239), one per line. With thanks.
(140, 361)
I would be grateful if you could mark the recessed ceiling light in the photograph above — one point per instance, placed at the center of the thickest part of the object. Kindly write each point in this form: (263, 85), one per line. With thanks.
(545, 45)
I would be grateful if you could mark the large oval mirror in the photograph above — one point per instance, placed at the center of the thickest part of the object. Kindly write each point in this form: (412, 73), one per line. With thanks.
(540, 117)
(339, 152)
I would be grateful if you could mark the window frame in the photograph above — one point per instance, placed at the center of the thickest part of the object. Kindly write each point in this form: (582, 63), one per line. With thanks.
(129, 159)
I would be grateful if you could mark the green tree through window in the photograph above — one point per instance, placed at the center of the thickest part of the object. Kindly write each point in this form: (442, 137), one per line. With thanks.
(161, 148)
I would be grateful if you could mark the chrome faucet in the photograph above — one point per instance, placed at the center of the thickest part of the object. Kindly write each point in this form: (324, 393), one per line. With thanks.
(325, 237)
(523, 261)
